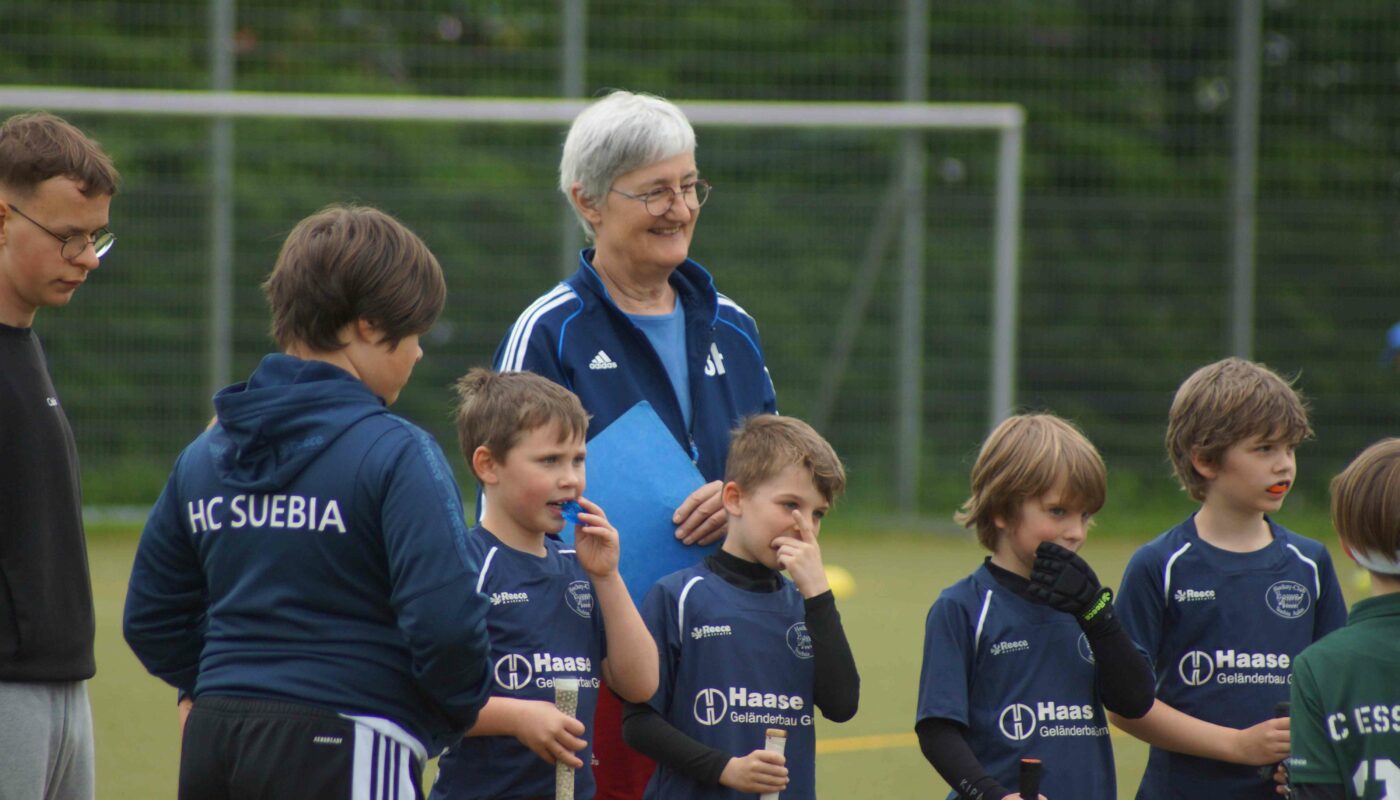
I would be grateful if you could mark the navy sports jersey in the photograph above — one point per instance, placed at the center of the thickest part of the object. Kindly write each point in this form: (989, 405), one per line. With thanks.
(310, 547)
(544, 625)
(576, 336)
(1021, 677)
(1221, 630)
(733, 664)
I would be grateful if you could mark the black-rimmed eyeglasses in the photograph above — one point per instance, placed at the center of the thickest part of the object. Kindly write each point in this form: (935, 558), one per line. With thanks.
(72, 247)
(660, 200)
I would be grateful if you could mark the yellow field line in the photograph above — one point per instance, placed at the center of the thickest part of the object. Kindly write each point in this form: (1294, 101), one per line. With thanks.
(883, 741)
(886, 741)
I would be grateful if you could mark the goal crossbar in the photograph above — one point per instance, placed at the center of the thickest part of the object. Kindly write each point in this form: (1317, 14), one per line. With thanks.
(548, 111)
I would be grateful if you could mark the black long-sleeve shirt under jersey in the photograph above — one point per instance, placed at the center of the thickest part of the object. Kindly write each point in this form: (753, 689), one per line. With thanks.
(836, 693)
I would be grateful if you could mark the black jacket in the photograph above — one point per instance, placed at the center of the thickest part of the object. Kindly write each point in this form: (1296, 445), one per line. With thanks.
(46, 615)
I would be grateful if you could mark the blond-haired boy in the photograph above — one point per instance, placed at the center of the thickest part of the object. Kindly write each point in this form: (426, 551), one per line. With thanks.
(1223, 602)
(557, 611)
(744, 649)
(1018, 655)
(1345, 696)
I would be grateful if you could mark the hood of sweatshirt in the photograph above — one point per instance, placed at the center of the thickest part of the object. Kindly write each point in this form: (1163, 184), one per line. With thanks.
(287, 413)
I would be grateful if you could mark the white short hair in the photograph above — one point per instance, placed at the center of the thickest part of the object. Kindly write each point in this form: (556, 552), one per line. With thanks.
(615, 135)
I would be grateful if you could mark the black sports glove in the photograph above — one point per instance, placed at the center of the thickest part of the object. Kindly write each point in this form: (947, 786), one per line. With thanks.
(1063, 581)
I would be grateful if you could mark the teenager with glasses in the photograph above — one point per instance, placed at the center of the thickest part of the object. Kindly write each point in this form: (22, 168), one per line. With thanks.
(74, 245)
(64, 182)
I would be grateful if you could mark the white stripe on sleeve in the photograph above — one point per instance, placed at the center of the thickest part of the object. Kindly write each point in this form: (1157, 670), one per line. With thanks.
(724, 300)
(519, 342)
(680, 604)
(1317, 577)
(485, 565)
(981, 620)
(1167, 573)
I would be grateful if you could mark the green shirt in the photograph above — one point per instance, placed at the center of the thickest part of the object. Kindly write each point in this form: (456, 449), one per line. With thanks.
(1346, 704)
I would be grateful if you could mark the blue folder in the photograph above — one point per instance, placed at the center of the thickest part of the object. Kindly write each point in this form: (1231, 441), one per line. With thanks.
(639, 475)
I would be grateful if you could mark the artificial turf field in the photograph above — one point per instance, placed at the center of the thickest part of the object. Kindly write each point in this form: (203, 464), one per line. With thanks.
(875, 755)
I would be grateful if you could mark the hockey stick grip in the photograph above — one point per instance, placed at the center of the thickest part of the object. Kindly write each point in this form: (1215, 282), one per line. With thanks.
(1281, 709)
(1029, 779)
(566, 700)
(774, 741)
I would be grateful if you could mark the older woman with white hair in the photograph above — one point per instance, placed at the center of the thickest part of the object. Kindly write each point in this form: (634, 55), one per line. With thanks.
(640, 321)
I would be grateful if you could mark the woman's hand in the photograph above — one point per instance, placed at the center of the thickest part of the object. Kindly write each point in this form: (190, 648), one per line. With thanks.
(701, 519)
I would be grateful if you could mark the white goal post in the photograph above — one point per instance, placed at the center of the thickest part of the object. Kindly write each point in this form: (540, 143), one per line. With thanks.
(1007, 120)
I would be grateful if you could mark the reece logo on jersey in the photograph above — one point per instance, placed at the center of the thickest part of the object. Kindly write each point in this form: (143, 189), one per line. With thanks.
(517, 671)
(1193, 595)
(1197, 668)
(509, 598)
(1013, 646)
(710, 631)
(1020, 721)
(747, 706)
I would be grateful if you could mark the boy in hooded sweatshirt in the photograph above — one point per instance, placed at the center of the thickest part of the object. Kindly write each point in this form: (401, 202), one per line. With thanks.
(304, 576)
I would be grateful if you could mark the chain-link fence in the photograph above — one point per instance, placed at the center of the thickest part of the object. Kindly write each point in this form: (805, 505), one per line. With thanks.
(1125, 246)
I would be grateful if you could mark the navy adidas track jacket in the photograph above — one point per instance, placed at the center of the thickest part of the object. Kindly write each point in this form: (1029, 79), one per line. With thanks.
(576, 336)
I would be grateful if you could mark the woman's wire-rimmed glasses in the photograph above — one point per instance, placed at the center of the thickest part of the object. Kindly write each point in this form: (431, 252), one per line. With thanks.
(658, 201)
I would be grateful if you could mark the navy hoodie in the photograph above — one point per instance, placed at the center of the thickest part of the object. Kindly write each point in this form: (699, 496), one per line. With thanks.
(311, 547)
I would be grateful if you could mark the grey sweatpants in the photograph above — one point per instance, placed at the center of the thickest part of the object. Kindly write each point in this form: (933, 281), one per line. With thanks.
(46, 748)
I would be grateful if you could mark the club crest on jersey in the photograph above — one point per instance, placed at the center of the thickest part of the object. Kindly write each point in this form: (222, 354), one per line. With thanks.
(1288, 599)
(579, 598)
(799, 641)
(1085, 651)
